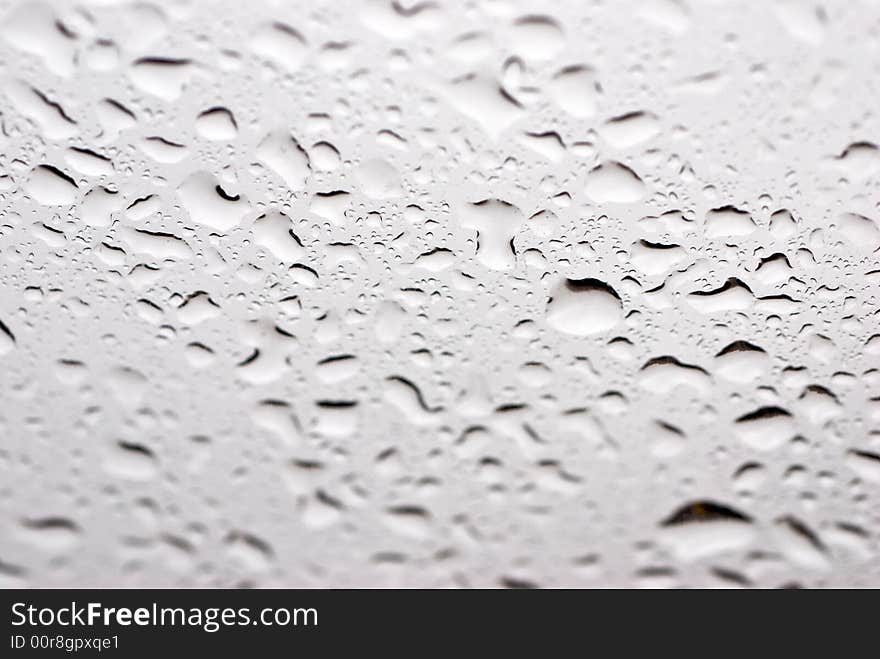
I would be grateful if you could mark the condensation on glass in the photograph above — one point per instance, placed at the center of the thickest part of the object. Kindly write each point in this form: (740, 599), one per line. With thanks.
(440, 294)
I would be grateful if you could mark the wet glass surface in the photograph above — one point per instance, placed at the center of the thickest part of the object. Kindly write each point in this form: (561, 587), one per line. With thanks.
(440, 293)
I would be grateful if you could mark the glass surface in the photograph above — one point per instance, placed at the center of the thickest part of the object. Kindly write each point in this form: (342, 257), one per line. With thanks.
(480, 294)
